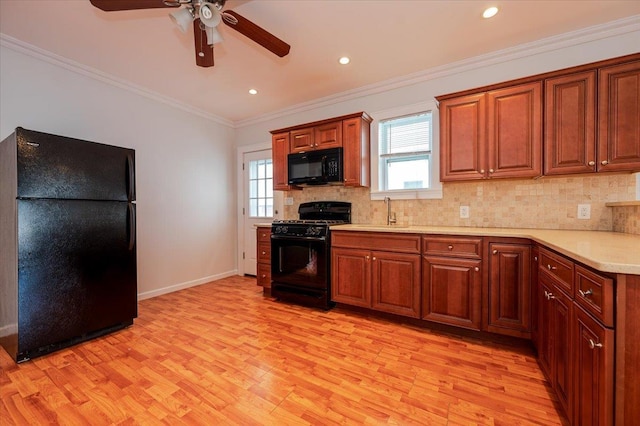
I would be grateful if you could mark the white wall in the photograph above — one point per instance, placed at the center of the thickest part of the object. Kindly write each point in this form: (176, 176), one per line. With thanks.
(568, 50)
(185, 164)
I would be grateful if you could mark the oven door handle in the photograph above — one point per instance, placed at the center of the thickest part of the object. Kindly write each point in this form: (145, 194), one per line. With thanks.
(296, 238)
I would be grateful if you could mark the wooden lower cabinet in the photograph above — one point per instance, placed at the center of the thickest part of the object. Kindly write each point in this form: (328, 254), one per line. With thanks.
(395, 283)
(452, 291)
(263, 257)
(576, 350)
(351, 276)
(556, 341)
(509, 290)
(387, 281)
(593, 362)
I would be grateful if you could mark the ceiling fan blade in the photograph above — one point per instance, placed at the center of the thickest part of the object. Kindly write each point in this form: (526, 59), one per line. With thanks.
(204, 52)
(257, 34)
(112, 5)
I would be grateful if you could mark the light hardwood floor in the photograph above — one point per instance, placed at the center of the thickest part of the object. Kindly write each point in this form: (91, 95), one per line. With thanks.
(221, 353)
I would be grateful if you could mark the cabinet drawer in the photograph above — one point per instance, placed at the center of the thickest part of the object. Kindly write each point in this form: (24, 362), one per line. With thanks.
(595, 294)
(384, 241)
(264, 275)
(452, 247)
(559, 268)
(264, 235)
(264, 253)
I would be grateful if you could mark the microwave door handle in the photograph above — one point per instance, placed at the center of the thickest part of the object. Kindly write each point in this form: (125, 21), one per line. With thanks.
(324, 167)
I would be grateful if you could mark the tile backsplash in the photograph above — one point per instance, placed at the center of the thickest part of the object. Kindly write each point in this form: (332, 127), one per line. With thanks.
(549, 202)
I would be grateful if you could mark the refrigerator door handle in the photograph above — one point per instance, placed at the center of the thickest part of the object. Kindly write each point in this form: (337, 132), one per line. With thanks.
(131, 228)
(131, 178)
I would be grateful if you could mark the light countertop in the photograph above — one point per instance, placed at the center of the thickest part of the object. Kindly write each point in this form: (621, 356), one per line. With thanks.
(605, 251)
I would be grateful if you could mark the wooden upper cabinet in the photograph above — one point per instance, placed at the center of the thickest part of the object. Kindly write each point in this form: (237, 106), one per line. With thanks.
(302, 140)
(355, 143)
(619, 117)
(351, 132)
(514, 131)
(279, 153)
(570, 124)
(323, 136)
(495, 134)
(463, 138)
(328, 135)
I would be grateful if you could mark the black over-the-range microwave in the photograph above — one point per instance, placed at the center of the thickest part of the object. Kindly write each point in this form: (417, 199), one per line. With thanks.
(319, 167)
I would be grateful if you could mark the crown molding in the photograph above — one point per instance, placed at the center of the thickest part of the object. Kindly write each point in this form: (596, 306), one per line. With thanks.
(60, 61)
(573, 38)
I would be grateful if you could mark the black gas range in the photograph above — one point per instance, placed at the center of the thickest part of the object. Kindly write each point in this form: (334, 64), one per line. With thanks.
(300, 253)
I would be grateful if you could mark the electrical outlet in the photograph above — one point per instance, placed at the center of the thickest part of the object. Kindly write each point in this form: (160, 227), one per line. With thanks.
(288, 201)
(464, 212)
(584, 211)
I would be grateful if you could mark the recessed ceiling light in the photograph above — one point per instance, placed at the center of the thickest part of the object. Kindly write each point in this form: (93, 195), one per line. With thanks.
(344, 60)
(253, 92)
(490, 12)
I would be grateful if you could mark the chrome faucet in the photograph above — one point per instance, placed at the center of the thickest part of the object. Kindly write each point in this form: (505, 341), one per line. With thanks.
(391, 220)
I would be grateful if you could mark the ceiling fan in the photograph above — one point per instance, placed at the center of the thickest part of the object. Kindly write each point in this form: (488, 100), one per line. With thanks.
(206, 15)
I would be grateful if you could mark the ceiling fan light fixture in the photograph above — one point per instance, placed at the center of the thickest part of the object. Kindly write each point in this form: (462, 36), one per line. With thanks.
(210, 15)
(182, 18)
(213, 36)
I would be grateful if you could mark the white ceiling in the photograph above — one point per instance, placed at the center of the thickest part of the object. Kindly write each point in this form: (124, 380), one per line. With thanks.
(385, 40)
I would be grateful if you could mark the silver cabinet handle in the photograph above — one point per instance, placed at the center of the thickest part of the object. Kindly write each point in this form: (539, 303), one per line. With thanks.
(586, 293)
(551, 268)
(264, 276)
(374, 258)
(594, 345)
(476, 269)
(604, 162)
(264, 252)
(535, 258)
(549, 295)
(491, 170)
(482, 171)
(450, 247)
(495, 252)
(367, 257)
(592, 163)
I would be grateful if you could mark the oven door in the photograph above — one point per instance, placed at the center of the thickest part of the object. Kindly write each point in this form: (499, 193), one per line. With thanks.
(300, 261)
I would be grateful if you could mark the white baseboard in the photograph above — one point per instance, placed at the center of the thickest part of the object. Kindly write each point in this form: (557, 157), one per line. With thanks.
(187, 284)
(8, 330)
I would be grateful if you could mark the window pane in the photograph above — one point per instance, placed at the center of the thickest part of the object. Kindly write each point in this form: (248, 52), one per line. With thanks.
(406, 134)
(408, 173)
(261, 188)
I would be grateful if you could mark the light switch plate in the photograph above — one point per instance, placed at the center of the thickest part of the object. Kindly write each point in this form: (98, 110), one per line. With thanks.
(464, 212)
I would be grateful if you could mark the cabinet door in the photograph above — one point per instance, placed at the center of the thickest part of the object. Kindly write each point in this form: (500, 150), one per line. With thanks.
(280, 151)
(396, 283)
(463, 138)
(562, 344)
(355, 143)
(514, 131)
(619, 117)
(593, 358)
(452, 291)
(351, 276)
(302, 140)
(570, 124)
(545, 325)
(328, 135)
(510, 289)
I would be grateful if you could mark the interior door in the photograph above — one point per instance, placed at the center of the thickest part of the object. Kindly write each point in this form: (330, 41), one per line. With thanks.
(261, 204)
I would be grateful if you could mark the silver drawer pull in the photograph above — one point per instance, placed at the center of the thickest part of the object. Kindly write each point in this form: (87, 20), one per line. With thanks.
(594, 345)
(549, 295)
(264, 252)
(476, 269)
(264, 276)
(495, 252)
(586, 293)
(551, 268)
(450, 247)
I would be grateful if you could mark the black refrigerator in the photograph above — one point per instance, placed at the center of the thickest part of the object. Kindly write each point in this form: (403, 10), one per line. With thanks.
(67, 240)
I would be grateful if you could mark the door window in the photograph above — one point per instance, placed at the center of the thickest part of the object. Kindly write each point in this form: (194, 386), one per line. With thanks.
(261, 188)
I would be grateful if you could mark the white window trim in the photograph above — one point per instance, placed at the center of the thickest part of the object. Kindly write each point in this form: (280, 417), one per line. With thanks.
(435, 192)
